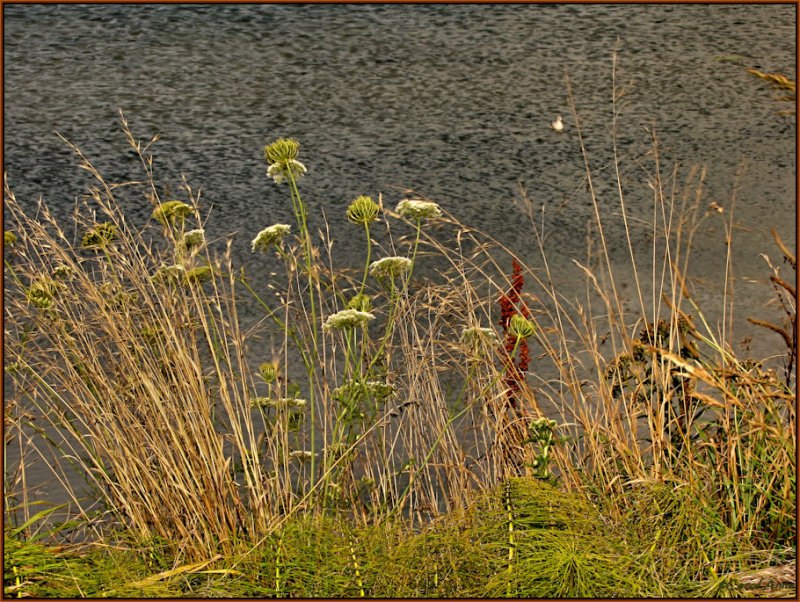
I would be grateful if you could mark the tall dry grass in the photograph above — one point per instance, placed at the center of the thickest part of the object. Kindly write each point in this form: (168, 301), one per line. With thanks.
(144, 377)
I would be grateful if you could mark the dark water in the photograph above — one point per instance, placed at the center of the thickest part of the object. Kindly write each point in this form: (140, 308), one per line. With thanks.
(452, 101)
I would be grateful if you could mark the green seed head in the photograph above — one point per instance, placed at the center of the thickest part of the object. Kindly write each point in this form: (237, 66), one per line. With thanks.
(281, 157)
(199, 274)
(360, 302)
(100, 235)
(269, 372)
(282, 150)
(171, 212)
(363, 211)
(521, 327)
(42, 292)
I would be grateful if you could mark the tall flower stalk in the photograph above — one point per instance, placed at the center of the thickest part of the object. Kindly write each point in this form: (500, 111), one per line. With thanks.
(283, 166)
(417, 210)
(516, 323)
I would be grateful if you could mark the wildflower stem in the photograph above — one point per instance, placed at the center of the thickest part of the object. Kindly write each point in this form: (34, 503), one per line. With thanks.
(300, 215)
(369, 253)
(414, 254)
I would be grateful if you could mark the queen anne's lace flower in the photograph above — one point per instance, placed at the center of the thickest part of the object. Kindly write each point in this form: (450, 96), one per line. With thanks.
(283, 403)
(301, 454)
(282, 158)
(347, 318)
(521, 327)
(171, 212)
(193, 240)
(363, 211)
(476, 336)
(269, 236)
(170, 274)
(417, 210)
(361, 302)
(281, 172)
(390, 266)
(355, 391)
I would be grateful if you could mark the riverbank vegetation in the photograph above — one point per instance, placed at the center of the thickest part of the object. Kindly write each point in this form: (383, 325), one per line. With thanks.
(375, 433)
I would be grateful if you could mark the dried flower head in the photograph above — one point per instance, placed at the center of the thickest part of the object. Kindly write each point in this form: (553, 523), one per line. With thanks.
(390, 267)
(417, 210)
(347, 318)
(521, 327)
(281, 156)
(363, 211)
(171, 212)
(270, 236)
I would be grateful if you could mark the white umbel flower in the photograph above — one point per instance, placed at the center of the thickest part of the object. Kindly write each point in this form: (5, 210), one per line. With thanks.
(302, 455)
(417, 210)
(476, 336)
(283, 403)
(390, 266)
(193, 240)
(270, 236)
(347, 318)
(280, 171)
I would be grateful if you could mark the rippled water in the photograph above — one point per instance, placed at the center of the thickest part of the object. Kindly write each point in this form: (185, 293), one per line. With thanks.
(452, 101)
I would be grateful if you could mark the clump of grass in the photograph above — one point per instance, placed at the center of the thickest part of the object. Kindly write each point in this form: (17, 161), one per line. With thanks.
(129, 370)
(36, 570)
